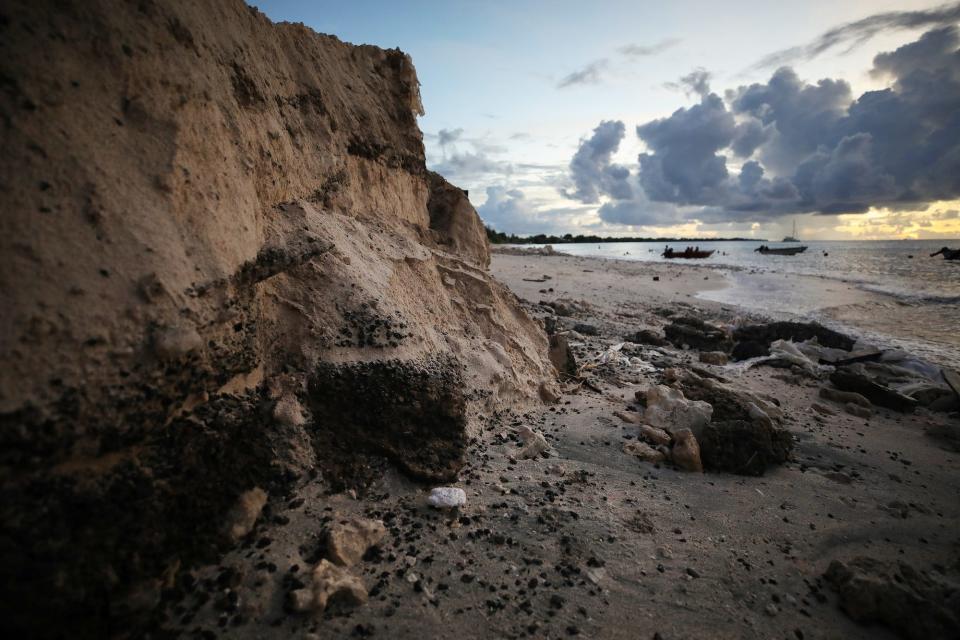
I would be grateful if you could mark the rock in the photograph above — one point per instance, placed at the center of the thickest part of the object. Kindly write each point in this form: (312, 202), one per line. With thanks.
(447, 498)
(749, 349)
(586, 329)
(697, 334)
(667, 408)
(348, 541)
(244, 514)
(727, 402)
(329, 583)
(643, 451)
(952, 379)
(627, 416)
(562, 357)
(714, 357)
(744, 447)
(686, 451)
(914, 604)
(822, 409)
(844, 397)
(645, 336)
(857, 410)
(534, 443)
(852, 379)
(765, 334)
(654, 435)
(289, 411)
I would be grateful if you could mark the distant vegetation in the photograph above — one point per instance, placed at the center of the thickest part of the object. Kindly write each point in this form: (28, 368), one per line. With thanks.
(498, 237)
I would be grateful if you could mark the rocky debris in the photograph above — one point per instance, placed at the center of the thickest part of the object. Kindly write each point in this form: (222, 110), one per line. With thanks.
(646, 336)
(654, 435)
(628, 416)
(244, 514)
(744, 447)
(562, 356)
(668, 408)
(412, 412)
(328, 584)
(686, 451)
(447, 498)
(759, 337)
(697, 334)
(586, 329)
(348, 541)
(714, 357)
(853, 378)
(844, 397)
(914, 604)
(534, 444)
(643, 451)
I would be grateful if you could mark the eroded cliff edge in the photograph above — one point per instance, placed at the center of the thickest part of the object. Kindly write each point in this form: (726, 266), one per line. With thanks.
(224, 266)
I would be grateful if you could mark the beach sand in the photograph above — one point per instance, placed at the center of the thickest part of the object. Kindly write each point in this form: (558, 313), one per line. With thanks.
(589, 541)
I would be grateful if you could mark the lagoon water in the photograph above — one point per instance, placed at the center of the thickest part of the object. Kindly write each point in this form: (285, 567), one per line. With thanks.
(916, 301)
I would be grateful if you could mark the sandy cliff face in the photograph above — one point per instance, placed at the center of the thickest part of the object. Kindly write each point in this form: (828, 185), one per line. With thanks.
(224, 264)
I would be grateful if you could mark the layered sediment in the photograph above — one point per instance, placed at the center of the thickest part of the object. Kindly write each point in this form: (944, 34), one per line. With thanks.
(223, 260)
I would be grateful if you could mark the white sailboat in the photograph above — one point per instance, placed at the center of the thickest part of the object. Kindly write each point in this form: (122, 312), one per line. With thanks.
(792, 238)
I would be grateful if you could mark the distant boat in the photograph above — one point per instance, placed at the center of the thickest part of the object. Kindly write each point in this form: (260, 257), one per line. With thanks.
(792, 238)
(948, 254)
(780, 251)
(687, 253)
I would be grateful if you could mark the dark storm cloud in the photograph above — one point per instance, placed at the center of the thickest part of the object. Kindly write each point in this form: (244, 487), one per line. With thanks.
(858, 32)
(806, 147)
(642, 51)
(590, 74)
(592, 170)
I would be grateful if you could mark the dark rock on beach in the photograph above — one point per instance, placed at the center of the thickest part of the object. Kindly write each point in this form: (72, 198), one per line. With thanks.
(914, 604)
(744, 447)
(697, 334)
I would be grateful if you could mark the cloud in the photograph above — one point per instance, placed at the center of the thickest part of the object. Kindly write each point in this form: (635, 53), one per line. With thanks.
(812, 147)
(697, 82)
(510, 210)
(642, 51)
(590, 74)
(856, 33)
(592, 170)
(448, 136)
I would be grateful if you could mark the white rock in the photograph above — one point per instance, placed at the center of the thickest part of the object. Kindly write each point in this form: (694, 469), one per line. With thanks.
(447, 498)
(668, 409)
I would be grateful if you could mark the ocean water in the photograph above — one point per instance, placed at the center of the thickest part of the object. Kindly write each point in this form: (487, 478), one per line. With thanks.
(916, 301)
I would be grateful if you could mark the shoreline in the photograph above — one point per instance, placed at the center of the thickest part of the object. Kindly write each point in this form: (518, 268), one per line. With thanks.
(876, 316)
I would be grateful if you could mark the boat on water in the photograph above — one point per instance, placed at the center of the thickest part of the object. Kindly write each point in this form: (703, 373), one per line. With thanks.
(792, 238)
(688, 253)
(780, 251)
(947, 253)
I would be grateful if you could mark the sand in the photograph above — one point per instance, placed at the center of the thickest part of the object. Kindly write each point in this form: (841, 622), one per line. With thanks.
(592, 542)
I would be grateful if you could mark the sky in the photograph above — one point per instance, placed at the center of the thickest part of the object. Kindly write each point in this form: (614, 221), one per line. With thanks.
(683, 118)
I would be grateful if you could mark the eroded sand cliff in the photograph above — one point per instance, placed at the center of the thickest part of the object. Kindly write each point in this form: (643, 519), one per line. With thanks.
(224, 266)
